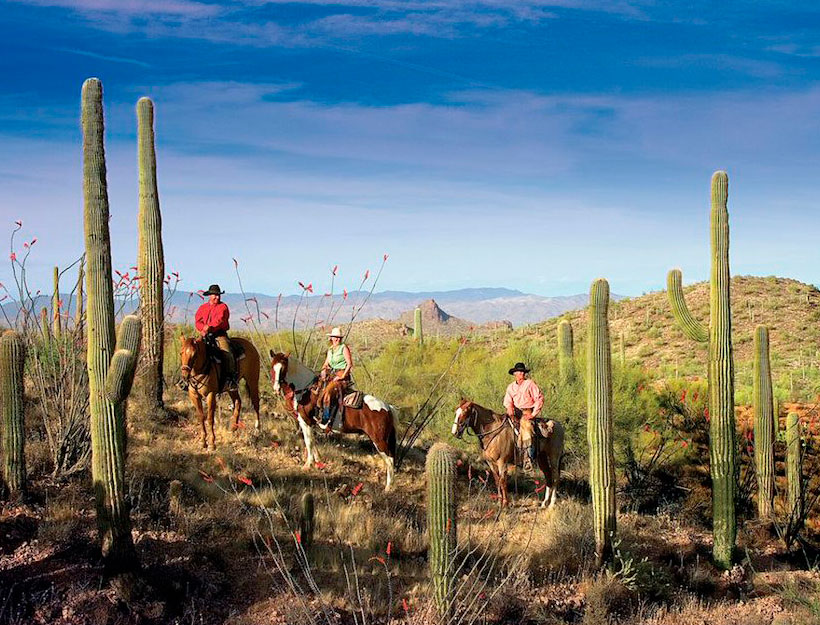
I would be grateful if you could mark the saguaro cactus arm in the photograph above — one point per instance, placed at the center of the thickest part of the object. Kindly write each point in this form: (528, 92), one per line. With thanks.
(794, 477)
(764, 424)
(691, 327)
(566, 364)
(120, 376)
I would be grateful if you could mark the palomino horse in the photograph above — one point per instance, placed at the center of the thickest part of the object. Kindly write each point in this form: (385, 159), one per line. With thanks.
(201, 375)
(497, 440)
(305, 394)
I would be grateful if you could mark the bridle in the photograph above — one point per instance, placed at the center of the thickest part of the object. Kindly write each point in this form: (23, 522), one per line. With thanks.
(469, 424)
(197, 380)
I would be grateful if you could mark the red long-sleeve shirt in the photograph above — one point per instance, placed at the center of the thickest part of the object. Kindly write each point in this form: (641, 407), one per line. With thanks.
(213, 315)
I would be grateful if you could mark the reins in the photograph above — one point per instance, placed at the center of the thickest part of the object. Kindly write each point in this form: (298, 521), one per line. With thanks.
(198, 380)
(471, 425)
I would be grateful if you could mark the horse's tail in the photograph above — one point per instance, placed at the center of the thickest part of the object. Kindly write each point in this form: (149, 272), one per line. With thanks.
(391, 439)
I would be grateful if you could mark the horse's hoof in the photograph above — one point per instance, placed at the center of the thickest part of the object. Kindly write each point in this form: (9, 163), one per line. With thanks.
(234, 427)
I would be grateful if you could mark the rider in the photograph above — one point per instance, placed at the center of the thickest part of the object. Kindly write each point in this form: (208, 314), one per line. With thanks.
(338, 363)
(524, 400)
(212, 318)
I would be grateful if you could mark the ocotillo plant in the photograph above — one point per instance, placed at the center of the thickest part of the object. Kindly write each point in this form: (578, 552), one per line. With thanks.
(107, 416)
(79, 318)
(306, 522)
(794, 462)
(722, 445)
(764, 425)
(622, 349)
(55, 305)
(566, 363)
(12, 363)
(599, 420)
(418, 332)
(441, 523)
(151, 262)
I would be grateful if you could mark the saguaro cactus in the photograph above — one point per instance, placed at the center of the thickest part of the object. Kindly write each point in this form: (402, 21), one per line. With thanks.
(794, 463)
(765, 424)
(418, 333)
(566, 363)
(55, 306)
(12, 362)
(107, 414)
(44, 323)
(599, 420)
(306, 521)
(441, 523)
(151, 261)
(722, 446)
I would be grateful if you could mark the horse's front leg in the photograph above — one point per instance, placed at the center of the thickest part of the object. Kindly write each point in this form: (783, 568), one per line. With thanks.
(307, 435)
(211, 404)
(502, 479)
(197, 401)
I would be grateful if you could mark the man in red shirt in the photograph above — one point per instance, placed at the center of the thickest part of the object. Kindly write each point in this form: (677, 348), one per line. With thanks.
(212, 318)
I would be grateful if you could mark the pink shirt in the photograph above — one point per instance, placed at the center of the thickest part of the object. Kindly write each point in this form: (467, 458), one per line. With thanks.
(524, 395)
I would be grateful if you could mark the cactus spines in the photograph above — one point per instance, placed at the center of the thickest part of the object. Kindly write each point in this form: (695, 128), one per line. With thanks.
(306, 521)
(12, 361)
(108, 434)
(722, 446)
(55, 305)
(120, 375)
(151, 261)
(599, 421)
(418, 332)
(764, 424)
(566, 363)
(794, 462)
(440, 467)
(44, 323)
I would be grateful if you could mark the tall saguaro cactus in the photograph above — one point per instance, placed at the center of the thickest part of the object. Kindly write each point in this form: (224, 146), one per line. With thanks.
(566, 363)
(55, 305)
(110, 365)
(418, 332)
(794, 461)
(599, 420)
(12, 362)
(722, 447)
(765, 424)
(441, 523)
(151, 261)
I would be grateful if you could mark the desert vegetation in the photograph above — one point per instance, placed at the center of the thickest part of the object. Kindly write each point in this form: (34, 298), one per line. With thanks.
(688, 494)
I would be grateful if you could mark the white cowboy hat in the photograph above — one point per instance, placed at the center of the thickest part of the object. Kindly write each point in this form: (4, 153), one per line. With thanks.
(337, 332)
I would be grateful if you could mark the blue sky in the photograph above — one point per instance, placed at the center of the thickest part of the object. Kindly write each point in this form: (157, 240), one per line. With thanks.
(521, 143)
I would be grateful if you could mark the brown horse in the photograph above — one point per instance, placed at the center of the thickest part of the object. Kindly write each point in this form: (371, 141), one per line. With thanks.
(202, 377)
(497, 440)
(305, 395)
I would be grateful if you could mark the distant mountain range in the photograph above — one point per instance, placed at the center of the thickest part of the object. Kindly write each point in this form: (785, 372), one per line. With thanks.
(472, 306)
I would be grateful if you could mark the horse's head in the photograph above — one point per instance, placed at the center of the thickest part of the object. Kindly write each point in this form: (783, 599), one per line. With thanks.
(190, 348)
(279, 370)
(465, 417)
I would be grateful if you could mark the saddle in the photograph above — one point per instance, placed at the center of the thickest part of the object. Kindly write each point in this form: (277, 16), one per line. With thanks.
(543, 428)
(215, 356)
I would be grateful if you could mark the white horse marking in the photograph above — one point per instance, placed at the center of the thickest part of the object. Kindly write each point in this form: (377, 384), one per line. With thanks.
(277, 371)
(375, 404)
(455, 421)
(307, 434)
(388, 461)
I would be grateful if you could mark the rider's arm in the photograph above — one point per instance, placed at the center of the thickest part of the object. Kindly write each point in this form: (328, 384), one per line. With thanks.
(538, 400)
(349, 360)
(508, 402)
(201, 320)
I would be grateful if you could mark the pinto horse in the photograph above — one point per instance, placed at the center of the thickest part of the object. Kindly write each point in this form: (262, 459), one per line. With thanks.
(497, 440)
(305, 394)
(202, 377)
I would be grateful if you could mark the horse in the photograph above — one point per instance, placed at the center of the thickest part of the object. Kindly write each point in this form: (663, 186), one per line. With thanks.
(305, 394)
(497, 440)
(202, 377)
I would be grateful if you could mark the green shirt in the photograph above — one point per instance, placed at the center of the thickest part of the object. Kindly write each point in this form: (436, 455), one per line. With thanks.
(336, 358)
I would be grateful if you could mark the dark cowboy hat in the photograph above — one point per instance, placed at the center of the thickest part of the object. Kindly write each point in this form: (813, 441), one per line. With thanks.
(519, 366)
(214, 290)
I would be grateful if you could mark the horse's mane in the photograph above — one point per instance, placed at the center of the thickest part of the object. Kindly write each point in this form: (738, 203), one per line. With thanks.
(299, 374)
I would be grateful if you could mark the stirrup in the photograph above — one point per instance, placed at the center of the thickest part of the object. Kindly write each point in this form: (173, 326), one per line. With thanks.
(230, 385)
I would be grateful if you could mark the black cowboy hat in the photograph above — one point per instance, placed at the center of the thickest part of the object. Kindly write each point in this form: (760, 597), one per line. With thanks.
(519, 366)
(213, 290)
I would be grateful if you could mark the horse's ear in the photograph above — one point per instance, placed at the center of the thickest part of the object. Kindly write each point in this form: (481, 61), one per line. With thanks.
(272, 354)
(287, 354)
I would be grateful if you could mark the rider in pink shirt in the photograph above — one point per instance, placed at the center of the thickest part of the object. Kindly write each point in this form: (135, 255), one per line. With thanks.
(524, 400)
